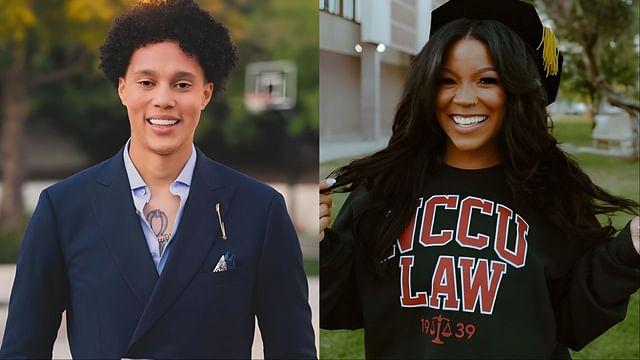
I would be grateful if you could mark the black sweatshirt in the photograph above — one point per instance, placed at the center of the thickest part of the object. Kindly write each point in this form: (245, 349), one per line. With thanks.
(478, 277)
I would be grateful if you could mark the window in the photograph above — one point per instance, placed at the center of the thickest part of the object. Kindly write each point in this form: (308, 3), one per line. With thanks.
(348, 9)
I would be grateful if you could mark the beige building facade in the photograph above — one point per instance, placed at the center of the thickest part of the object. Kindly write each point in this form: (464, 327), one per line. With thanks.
(366, 48)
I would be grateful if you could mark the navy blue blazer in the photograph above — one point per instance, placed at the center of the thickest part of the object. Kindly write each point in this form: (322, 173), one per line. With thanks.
(84, 252)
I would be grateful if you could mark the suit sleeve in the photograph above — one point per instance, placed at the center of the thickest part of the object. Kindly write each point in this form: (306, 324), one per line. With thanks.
(595, 294)
(282, 304)
(40, 289)
(340, 306)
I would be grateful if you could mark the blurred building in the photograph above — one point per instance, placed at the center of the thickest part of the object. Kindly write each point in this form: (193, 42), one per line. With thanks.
(365, 51)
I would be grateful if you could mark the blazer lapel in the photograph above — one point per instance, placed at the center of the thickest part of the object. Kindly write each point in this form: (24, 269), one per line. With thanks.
(120, 228)
(197, 232)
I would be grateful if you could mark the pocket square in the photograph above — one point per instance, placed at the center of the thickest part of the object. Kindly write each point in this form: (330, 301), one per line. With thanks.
(226, 262)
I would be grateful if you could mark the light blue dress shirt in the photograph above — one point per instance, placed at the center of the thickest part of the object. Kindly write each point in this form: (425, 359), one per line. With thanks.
(141, 195)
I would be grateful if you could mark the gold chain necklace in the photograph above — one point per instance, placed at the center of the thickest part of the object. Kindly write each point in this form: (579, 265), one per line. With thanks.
(162, 241)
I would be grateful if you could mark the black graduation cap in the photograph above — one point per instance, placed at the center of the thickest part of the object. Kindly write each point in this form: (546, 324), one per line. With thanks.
(519, 17)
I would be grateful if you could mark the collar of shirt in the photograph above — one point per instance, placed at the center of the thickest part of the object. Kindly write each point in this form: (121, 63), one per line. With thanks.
(139, 190)
(141, 196)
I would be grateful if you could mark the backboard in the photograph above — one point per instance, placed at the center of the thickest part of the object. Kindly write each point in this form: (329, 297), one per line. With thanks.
(270, 85)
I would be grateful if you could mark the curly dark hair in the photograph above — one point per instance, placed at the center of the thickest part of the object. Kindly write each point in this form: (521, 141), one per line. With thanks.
(538, 171)
(195, 30)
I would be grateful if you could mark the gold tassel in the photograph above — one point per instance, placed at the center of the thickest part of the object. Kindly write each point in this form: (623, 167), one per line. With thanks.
(550, 52)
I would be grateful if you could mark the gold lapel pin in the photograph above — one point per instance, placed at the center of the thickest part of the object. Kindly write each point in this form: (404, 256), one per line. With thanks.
(224, 233)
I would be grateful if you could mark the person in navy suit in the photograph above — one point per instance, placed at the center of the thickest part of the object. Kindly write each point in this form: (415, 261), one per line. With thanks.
(161, 252)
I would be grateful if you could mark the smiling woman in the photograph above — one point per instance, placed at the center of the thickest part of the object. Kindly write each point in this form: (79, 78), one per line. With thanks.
(472, 220)
(470, 103)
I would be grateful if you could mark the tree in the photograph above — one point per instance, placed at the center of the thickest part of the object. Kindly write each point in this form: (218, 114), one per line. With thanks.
(266, 30)
(575, 86)
(42, 42)
(596, 26)
(25, 41)
(593, 25)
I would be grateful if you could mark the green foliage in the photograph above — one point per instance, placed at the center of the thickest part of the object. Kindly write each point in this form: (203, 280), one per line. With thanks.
(16, 18)
(621, 55)
(619, 61)
(575, 86)
(86, 109)
(274, 30)
(309, 246)
(281, 29)
(593, 18)
(610, 26)
(46, 24)
(311, 266)
(10, 244)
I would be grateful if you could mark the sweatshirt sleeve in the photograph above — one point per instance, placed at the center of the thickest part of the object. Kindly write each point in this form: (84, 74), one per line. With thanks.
(594, 295)
(339, 298)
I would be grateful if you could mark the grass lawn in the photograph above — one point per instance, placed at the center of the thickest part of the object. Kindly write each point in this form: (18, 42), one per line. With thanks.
(613, 174)
(575, 130)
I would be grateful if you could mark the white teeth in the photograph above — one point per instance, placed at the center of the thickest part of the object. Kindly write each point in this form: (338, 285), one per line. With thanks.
(163, 122)
(468, 120)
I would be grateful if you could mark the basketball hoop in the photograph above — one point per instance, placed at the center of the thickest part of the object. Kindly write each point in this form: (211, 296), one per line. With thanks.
(270, 85)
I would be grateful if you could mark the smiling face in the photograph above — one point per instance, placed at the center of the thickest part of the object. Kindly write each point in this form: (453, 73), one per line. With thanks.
(164, 91)
(470, 105)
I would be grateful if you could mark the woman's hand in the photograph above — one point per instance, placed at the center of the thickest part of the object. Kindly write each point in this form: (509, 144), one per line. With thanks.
(325, 205)
(635, 233)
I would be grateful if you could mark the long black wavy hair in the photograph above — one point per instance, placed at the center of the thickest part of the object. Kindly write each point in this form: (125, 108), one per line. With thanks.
(537, 170)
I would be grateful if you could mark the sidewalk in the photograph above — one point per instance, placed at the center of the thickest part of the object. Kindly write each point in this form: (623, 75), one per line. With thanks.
(612, 151)
(348, 146)
(61, 346)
